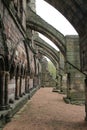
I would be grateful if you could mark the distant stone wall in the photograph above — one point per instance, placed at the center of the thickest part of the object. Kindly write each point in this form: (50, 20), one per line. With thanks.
(46, 78)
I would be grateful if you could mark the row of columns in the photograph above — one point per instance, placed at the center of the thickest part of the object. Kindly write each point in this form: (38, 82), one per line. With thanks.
(4, 79)
(19, 81)
(18, 88)
(59, 86)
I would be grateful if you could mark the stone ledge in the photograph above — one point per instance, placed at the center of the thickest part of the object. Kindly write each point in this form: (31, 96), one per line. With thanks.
(4, 118)
(19, 103)
(6, 115)
(59, 91)
(74, 101)
(32, 92)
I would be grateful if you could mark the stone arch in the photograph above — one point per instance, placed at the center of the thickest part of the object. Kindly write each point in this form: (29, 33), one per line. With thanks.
(15, 68)
(42, 44)
(13, 57)
(36, 23)
(48, 53)
(49, 56)
(74, 11)
(22, 67)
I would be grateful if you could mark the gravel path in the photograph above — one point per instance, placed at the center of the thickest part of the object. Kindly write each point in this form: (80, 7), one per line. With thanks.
(47, 111)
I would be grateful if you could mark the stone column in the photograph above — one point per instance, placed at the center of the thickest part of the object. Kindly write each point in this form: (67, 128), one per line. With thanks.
(17, 87)
(23, 85)
(39, 80)
(86, 97)
(57, 80)
(6, 89)
(68, 86)
(28, 87)
(2, 90)
(59, 83)
(61, 89)
(26, 84)
(20, 86)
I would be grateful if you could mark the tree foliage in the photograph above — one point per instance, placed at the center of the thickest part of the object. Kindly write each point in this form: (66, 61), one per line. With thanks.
(52, 69)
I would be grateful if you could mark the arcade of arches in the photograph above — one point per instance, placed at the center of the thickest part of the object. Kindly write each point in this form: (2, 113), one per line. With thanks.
(23, 68)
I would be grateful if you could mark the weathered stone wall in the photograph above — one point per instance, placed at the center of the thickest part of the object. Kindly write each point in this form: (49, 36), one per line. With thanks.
(13, 38)
(83, 50)
(46, 78)
(61, 74)
(75, 79)
(21, 77)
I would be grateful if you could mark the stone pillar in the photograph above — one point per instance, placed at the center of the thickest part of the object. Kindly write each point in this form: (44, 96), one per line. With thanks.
(39, 79)
(6, 89)
(86, 97)
(23, 85)
(56, 88)
(26, 84)
(61, 90)
(17, 87)
(20, 86)
(2, 90)
(68, 86)
(57, 80)
(35, 81)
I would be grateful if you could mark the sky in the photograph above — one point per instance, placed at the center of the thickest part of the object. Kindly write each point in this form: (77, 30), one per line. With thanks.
(55, 18)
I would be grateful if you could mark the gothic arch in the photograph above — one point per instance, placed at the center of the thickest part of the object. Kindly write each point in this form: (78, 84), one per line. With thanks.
(43, 52)
(35, 22)
(48, 50)
(40, 42)
(75, 11)
(14, 53)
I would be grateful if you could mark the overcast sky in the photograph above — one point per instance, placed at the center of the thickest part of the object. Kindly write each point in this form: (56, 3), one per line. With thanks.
(56, 19)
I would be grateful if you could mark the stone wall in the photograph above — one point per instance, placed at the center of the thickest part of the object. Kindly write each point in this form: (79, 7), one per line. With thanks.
(14, 39)
(83, 50)
(46, 78)
(75, 79)
(20, 56)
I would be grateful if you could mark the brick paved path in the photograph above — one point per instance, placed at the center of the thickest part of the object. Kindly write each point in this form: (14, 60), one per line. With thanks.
(47, 111)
